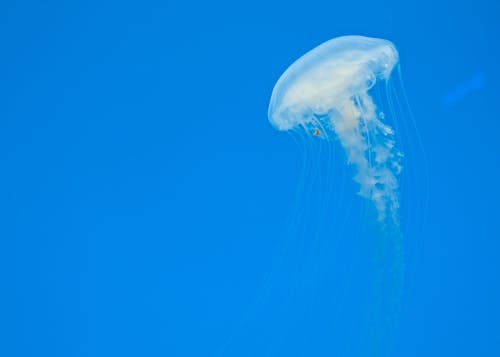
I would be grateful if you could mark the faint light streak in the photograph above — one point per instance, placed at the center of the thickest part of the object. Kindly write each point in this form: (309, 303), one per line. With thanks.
(464, 89)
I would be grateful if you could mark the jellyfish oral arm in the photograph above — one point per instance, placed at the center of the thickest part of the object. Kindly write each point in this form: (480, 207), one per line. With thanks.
(369, 146)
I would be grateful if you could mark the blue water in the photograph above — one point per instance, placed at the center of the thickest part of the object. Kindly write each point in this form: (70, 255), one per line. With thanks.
(148, 208)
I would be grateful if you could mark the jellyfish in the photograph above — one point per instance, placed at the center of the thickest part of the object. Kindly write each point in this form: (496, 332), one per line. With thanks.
(332, 286)
(327, 93)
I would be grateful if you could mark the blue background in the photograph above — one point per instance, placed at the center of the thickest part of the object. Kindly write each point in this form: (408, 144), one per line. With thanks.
(143, 189)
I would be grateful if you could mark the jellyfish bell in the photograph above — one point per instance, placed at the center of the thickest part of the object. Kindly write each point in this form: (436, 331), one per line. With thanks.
(329, 88)
(328, 75)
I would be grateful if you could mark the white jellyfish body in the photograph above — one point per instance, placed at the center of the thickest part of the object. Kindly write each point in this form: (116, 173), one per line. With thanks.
(326, 92)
